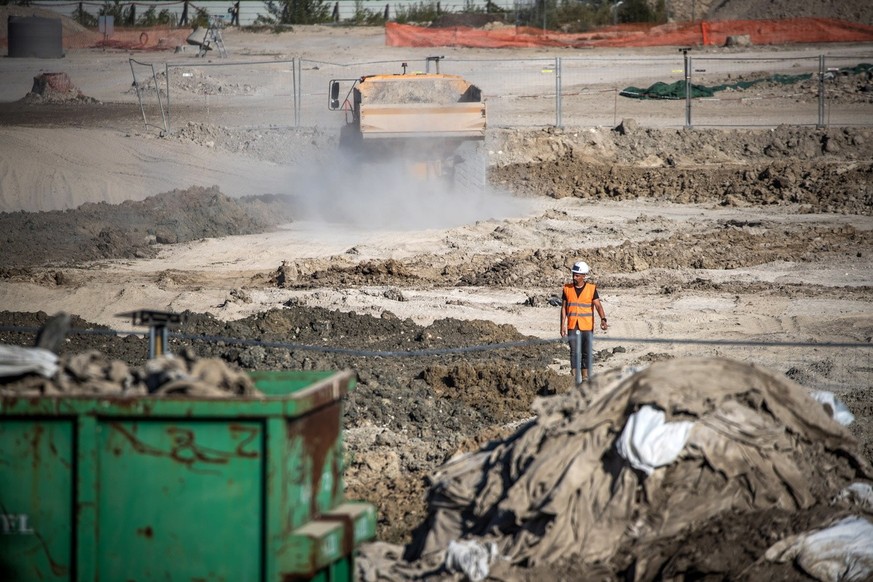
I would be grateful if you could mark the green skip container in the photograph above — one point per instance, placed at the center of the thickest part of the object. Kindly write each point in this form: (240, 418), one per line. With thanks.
(176, 488)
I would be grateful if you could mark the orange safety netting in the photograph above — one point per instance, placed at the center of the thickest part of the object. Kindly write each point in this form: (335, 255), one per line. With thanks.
(144, 39)
(714, 33)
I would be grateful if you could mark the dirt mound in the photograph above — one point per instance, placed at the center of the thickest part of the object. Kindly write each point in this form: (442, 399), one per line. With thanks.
(193, 82)
(132, 229)
(848, 10)
(55, 88)
(824, 170)
(68, 25)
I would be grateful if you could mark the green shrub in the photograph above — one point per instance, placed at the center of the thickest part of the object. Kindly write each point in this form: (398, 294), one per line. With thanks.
(421, 12)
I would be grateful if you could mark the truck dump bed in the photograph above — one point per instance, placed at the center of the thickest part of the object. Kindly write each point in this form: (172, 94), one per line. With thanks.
(408, 106)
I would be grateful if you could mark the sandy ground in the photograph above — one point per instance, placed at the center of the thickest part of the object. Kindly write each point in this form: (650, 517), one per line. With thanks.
(705, 266)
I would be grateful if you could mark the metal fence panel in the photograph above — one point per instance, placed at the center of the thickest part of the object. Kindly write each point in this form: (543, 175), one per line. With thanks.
(561, 91)
(591, 88)
(779, 91)
(848, 94)
(198, 90)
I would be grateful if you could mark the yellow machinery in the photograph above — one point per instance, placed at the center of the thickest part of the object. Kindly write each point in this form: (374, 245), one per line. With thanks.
(420, 120)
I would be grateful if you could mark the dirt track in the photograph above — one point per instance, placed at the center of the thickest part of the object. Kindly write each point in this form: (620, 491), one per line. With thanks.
(705, 234)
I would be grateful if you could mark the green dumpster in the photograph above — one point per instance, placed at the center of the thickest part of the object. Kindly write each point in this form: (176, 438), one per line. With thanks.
(178, 488)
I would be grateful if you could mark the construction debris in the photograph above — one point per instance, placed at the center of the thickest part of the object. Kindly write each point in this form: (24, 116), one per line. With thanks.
(560, 487)
(38, 372)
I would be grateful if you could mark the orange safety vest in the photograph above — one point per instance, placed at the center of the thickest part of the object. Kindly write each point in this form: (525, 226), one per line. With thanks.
(580, 308)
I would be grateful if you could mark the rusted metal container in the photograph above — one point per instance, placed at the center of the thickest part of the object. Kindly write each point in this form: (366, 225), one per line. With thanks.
(177, 488)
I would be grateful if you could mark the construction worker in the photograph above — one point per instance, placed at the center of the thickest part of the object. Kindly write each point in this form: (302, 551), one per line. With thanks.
(578, 303)
(234, 14)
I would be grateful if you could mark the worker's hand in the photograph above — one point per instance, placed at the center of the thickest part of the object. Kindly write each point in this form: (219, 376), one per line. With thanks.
(563, 331)
(603, 325)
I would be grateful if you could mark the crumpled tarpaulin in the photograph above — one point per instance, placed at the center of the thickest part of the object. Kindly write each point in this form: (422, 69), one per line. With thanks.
(677, 89)
(558, 488)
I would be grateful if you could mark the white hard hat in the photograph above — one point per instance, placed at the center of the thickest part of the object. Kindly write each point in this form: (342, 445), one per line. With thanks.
(580, 267)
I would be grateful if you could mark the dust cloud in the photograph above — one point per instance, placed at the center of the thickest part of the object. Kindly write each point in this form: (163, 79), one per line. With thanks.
(388, 196)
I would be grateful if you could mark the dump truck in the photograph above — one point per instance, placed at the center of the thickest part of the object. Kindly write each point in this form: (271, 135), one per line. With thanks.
(426, 121)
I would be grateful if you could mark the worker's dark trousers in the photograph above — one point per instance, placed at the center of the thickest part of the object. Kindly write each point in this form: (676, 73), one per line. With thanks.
(585, 342)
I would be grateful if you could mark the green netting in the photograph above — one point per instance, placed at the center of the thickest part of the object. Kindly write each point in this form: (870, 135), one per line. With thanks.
(676, 90)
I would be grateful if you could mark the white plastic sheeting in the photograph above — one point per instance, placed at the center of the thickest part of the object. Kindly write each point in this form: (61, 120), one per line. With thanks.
(842, 552)
(838, 410)
(18, 360)
(648, 441)
(471, 558)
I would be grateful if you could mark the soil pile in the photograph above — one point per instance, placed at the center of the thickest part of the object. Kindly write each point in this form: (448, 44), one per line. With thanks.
(68, 25)
(848, 10)
(133, 229)
(823, 170)
(55, 88)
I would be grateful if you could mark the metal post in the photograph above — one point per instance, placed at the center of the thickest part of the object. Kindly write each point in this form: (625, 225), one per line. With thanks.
(145, 122)
(160, 101)
(159, 323)
(558, 112)
(821, 91)
(295, 104)
(167, 75)
(687, 60)
(157, 341)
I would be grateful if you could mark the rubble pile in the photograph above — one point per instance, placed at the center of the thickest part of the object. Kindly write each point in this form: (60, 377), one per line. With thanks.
(29, 372)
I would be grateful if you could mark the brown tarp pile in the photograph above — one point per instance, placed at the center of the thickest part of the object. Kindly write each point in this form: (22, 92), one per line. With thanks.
(558, 487)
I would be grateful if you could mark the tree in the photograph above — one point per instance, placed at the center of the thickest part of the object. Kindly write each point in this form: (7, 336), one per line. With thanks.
(298, 11)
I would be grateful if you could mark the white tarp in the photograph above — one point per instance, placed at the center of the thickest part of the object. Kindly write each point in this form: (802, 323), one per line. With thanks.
(838, 410)
(648, 441)
(842, 552)
(18, 360)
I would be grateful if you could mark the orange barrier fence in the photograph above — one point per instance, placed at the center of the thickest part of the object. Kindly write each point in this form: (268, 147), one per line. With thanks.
(145, 39)
(715, 33)
(142, 39)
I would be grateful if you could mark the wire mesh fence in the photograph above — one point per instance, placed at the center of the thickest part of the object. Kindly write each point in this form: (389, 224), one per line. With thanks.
(656, 91)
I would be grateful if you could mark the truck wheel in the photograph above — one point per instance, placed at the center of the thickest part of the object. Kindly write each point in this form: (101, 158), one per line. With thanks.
(470, 169)
(350, 138)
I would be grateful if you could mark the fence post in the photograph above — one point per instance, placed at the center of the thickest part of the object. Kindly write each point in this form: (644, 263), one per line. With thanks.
(295, 89)
(558, 112)
(167, 77)
(821, 91)
(687, 60)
